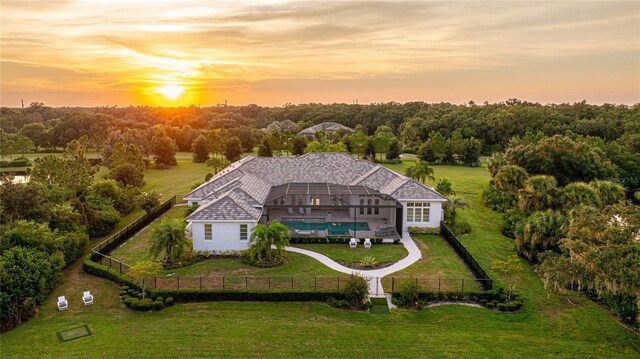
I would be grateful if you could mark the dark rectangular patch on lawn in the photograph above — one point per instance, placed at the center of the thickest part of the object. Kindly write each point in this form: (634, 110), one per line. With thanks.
(379, 301)
(74, 333)
(379, 310)
(379, 305)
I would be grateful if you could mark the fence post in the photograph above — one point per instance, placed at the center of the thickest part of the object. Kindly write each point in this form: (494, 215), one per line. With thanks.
(223, 283)
(462, 285)
(438, 284)
(377, 283)
(120, 267)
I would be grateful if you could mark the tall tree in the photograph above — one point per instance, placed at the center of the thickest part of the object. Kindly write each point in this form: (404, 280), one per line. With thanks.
(233, 149)
(264, 237)
(169, 238)
(200, 149)
(164, 151)
(144, 272)
(420, 171)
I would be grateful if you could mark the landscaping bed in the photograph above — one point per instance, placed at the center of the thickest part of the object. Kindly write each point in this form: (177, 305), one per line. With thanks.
(384, 254)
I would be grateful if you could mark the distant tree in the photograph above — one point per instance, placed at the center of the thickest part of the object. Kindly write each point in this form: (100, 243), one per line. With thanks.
(370, 151)
(445, 187)
(128, 175)
(539, 193)
(420, 171)
(471, 149)
(359, 143)
(217, 140)
(217, 163)
(7, 145)
(299, 144)
(38, 134)
(325, 146)
(356, 290)
(144, 272)
(149, 200)
(542, 231)
(609, 192)
(427, 154)
(233, 149)
(246, 136)
(22, 201)
(169, 238)
(23, 144)
(510, 271)
(394, 151)
(496, 161)
(382, 143)
(510, 179)
(264, 149)
(200, 149)
(575, 194)
(451, 207)
(164, 151)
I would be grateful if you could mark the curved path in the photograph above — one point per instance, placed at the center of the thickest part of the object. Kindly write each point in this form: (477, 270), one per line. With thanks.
(374, 275)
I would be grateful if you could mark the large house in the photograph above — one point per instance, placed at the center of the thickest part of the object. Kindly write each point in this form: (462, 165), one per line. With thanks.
(318, 194)
(325, 127)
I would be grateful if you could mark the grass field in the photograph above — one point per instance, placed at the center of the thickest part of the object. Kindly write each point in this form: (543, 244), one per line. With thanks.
(550, 325)
(438, 261)
(342, 253)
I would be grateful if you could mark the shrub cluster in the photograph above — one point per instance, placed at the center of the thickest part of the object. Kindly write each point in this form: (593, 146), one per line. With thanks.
(133, 299)
(491, 299)
(424, 230)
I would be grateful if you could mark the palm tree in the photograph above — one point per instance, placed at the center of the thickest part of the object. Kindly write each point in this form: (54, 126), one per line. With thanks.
(538, 193)
(450, 207)
(445, 187)
(169, 237)
(264, 236)
(420, 171)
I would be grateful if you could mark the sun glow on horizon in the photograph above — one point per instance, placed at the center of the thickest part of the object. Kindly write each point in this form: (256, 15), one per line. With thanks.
(171, 92)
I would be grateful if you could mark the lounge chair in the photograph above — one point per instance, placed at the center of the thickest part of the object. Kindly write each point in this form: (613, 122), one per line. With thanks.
(62, 303)
(87, 298)
(353, 243)
(367, 243)
(301, 210)
(290, 210)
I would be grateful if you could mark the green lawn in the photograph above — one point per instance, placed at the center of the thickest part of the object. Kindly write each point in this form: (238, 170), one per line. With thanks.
(177, 179)
(136, 249)
(439, 267)
(550, 325)
(342, 253)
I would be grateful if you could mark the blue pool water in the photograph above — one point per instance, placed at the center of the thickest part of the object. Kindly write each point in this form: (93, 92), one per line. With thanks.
(333, 228)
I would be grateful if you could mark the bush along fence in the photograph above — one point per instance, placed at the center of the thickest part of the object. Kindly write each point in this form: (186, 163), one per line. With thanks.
(459, 285)
(481, 275)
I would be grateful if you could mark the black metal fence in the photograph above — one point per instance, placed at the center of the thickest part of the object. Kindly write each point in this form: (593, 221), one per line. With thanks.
(481, 275)
(394, 284)
(249, 283)
(102, 250)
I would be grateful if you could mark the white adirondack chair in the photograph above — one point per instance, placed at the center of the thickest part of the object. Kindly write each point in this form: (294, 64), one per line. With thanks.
(62, 303)
(353, 243)
(87, 298)
(367, 243)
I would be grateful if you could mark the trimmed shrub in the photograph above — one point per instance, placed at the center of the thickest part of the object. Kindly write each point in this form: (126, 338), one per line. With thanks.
(337, 303)
(124, 287)
(123, 292)
(130, 291)
(421, 304)
(159, 299)
(502, 307)
(355, 290)
(130, 301)
(424, 230)
(142, 305)
(157, 305)
(511, 307)
(518, 304)
(409, 294)
(483, 302)
(489, 305)
(168, 302)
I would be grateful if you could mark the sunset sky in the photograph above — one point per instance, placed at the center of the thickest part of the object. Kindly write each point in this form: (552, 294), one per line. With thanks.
(168, 53)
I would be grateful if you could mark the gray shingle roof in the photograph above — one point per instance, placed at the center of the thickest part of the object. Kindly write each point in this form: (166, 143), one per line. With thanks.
(247, 182)
(325, 126)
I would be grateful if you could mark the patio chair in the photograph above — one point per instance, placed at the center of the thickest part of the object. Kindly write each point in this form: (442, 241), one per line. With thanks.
(87, 298)
(290, 210)
(367, 243)
(353, 243)
(301, 210)
(62, 303)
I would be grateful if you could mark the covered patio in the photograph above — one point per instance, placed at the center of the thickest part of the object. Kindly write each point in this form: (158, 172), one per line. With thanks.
(327, 209)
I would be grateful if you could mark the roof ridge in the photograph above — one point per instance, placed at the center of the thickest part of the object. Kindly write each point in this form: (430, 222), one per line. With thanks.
(231, 168)
(367, 174)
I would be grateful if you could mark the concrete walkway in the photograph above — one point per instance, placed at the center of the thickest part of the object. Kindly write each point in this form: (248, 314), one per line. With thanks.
(375, 275)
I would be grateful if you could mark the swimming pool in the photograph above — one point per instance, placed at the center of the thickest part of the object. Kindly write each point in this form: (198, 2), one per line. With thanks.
(333, 228)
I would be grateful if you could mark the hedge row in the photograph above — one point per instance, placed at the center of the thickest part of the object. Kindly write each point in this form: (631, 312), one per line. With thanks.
(99, 270)
(423, 230)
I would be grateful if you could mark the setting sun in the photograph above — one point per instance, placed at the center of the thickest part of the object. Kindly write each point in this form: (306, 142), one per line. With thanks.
(171, 92)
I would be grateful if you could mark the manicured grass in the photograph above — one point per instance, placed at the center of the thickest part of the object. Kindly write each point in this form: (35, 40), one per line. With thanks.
(342, 253)
(439, 267)
(136, 249)
(298, 265)
(568, 326)
(178, 179)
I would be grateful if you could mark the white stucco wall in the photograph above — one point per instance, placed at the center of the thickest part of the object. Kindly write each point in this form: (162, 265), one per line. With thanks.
(226, 236)
(435, 215)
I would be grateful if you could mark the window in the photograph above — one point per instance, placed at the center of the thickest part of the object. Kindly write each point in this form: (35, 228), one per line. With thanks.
(376, 210)
(362, 204)
(417, 212)
(244, 233)
(369, 208)
(315, 201)
(208, 232)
